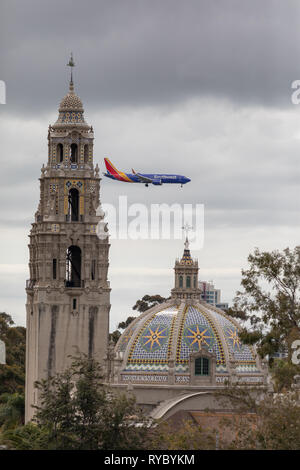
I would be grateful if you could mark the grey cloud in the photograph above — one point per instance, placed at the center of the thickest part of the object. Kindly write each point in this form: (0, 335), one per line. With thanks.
(148, 53)
(196, 87)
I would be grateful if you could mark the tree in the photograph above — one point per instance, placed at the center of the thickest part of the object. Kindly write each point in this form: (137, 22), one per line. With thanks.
(114, 336)
(185, 436)
(12, 374)
(283, 372)
(270, 300)
(12, 409)
(148, 301)
(123, 324)
(265, 421)
(78, 412)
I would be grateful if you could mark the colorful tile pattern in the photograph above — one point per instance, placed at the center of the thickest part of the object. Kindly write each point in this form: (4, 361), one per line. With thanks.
(201, 327)
(73, 117)
(197, 331)
(153, 343)
(238, 351)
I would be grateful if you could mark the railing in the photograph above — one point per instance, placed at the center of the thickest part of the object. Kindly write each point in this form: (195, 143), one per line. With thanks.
(69, 218)
(74, 284)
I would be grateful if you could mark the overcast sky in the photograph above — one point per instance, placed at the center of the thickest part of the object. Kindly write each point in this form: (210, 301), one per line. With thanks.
(196, 87)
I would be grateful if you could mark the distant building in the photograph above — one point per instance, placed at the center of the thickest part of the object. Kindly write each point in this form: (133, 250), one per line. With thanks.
(2, 352)
(223, 306)
(211, 295)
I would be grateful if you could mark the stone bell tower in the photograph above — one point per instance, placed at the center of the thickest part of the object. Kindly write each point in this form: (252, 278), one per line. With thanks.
(68, 295)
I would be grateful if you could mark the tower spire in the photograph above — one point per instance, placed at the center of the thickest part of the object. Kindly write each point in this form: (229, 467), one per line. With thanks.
(71, 64)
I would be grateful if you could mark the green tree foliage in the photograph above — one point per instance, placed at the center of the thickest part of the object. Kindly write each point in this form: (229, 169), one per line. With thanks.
(12, 408)
(114, 336)
(270, 299)
(266, 422)
(185, 436)
(28, 437)
(123, 324)
(283, 372)
(78, 412)
(12, 374)
(149, 301)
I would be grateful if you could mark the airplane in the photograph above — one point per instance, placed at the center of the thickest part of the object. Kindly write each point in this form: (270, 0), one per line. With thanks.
(155, 179)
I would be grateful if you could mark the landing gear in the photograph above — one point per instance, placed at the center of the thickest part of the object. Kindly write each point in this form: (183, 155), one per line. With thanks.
(146, 185)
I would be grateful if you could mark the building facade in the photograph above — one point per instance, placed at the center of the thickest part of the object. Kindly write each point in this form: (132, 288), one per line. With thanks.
(68, 295)
(211, 295)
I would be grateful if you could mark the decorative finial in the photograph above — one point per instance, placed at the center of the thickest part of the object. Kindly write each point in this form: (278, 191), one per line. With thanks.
(186, 229)
(71, 64)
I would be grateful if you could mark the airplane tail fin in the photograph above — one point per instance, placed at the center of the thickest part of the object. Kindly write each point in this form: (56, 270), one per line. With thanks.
(110, 167)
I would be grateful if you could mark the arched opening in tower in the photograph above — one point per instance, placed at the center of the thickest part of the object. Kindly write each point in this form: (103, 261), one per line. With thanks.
(74, 204)
(74, 153)
(86, 154)
(73, 266)
(60, 153)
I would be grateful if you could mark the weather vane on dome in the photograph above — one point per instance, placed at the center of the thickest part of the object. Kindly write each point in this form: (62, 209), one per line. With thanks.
(71, 64)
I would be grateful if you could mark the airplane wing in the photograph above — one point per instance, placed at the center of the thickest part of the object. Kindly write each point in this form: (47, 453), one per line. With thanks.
(143, 178)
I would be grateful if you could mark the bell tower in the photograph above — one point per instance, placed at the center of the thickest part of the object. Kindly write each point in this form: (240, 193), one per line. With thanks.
(68, 295)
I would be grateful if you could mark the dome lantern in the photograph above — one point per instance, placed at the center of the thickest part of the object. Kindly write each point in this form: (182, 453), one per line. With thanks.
(186, 276)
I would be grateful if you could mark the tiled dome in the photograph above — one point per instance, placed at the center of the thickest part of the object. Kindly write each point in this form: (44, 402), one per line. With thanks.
(169, 334)
(70, 110)
(71, 102)
(185, 341)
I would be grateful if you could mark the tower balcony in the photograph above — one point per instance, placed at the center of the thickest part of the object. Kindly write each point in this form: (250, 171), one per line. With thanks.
(74, 284)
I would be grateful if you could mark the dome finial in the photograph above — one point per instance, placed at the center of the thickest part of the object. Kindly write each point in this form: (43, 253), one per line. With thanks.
(71, 64)
(186, 243)
(186, 229)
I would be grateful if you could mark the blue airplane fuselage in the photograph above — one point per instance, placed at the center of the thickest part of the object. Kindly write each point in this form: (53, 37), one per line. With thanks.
(157, 179)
